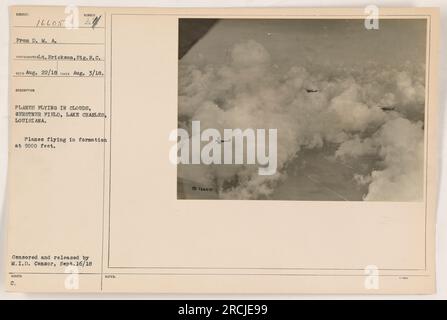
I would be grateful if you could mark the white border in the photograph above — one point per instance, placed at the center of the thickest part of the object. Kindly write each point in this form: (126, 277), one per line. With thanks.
(441, 237)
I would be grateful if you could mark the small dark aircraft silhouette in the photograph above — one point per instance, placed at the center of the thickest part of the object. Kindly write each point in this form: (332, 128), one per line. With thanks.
(222, 140)
(388, 108)
(311, 90)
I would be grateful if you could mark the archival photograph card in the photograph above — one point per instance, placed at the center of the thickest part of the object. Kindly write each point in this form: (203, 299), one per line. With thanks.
(270, 150)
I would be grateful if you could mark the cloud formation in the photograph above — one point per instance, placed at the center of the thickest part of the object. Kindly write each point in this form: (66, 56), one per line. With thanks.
(344, 113)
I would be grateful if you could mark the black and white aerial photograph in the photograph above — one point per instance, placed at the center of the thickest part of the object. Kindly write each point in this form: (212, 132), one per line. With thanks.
(329, 110)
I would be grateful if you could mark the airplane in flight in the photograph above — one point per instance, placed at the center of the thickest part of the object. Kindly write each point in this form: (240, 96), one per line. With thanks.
(222, 140)
(386, 108)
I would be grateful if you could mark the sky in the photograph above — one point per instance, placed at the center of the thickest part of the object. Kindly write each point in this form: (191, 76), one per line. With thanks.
(320, 41)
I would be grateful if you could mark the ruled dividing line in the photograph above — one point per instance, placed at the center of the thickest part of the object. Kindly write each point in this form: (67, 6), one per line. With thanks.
(73, 60)
(58, 27)
(68, 43)
(83, 77)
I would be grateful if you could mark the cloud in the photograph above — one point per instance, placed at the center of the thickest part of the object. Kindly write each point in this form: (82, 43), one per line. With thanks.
(249, 54)
(401, 146)
(248, 91)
